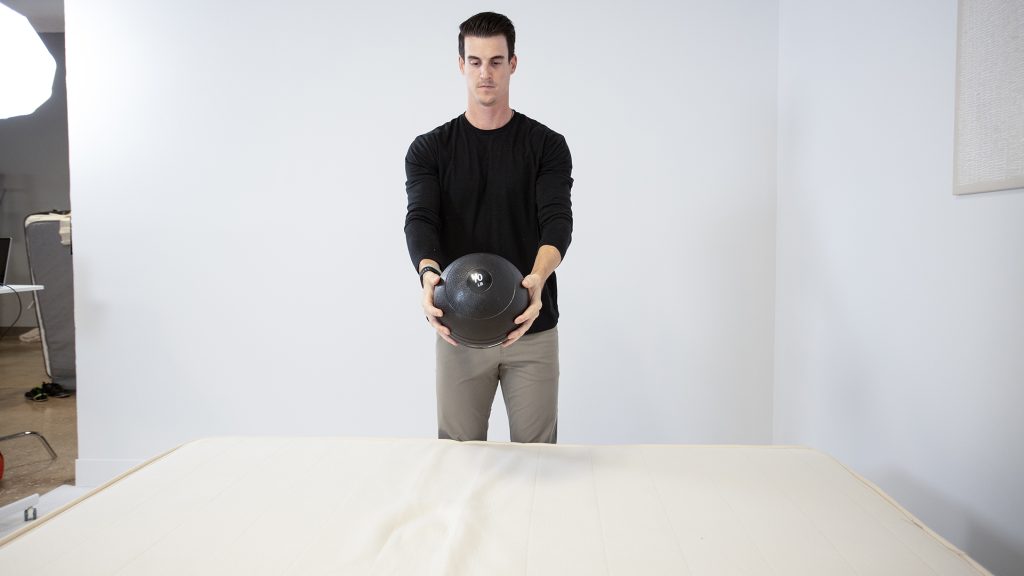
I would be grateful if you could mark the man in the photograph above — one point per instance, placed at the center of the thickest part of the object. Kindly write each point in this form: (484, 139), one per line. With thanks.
(493, 180)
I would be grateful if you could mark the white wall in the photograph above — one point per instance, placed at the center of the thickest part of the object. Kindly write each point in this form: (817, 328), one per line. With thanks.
(34, 165)
(239, 199)
(900, 316)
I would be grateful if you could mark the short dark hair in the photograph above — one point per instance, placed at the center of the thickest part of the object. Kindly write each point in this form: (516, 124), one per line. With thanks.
(487, 25)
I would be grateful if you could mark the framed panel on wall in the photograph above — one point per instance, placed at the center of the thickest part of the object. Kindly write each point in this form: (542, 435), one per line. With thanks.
(989, 142)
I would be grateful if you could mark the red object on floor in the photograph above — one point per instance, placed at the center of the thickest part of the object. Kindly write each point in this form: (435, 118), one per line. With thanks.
(1, 465)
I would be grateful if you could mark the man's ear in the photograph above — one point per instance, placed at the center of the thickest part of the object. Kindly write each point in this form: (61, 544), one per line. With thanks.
(513, 61)
(462, 65)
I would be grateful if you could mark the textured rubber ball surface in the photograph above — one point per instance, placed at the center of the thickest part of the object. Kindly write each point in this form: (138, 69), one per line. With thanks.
(481, 295)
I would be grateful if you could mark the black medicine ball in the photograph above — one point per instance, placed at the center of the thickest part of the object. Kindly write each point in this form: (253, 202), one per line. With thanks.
(481, 295)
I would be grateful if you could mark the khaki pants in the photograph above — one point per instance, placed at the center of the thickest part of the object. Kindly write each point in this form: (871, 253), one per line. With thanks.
(467, 379)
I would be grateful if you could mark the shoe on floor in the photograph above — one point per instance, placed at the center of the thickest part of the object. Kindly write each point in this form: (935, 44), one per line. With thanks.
(36, 395)
(56, 390)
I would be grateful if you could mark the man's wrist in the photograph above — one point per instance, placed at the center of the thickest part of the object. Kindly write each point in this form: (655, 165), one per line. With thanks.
(425, 269)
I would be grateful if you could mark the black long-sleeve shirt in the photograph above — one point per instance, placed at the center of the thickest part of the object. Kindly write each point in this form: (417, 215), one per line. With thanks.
(504, 191)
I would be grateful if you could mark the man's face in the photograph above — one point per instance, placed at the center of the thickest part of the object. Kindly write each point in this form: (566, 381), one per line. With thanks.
(487, 69)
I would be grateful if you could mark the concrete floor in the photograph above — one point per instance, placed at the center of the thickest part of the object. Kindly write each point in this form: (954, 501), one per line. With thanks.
(28, 468)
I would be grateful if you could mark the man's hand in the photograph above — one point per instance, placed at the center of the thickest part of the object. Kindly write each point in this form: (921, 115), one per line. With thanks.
(534, 284)
(430, 280)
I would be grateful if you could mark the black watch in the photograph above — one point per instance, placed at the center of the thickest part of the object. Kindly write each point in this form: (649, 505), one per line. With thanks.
(426, 269)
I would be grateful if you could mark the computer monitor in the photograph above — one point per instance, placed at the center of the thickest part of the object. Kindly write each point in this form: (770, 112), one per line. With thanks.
(5, 253)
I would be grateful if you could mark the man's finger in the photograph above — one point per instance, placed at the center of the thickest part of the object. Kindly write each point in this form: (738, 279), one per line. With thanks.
(510, 341)
(531, 313)
(444, 332)
(516, 334)
(428, 303)
(441, 328)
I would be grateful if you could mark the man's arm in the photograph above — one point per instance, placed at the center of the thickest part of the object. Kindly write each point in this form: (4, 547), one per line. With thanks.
(554, 194)
(548, 258)
(554, 213)
(423, 215)
(422, 223)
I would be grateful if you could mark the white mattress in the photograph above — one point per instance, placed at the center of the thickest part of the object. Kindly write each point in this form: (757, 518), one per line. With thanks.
(309, 506)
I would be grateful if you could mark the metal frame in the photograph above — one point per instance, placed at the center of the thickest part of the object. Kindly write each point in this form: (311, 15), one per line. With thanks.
(53, 455)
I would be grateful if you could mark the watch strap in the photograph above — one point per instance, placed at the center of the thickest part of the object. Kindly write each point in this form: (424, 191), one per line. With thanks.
(426, 269)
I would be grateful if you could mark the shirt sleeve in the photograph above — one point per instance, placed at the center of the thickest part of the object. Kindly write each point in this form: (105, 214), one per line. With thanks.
(423, 217)
(554, 202)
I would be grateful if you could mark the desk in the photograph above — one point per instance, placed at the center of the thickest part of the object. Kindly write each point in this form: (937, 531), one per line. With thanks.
(312, 506)
(12, 288)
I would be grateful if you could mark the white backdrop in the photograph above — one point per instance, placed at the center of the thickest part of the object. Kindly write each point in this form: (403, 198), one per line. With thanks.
(238, 187)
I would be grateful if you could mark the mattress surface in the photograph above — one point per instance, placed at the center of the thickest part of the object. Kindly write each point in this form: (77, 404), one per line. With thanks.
(310, 506)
